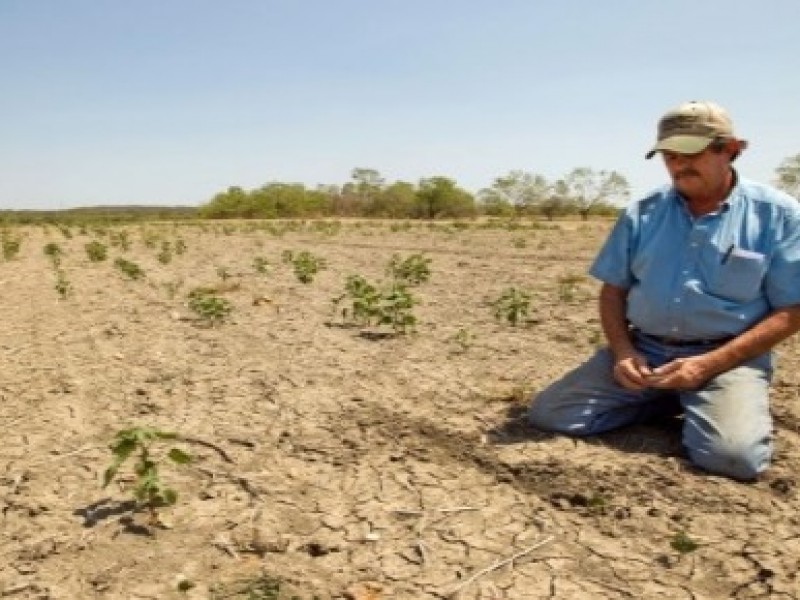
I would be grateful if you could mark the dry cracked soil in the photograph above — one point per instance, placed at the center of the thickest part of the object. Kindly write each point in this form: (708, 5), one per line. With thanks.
(341, 461)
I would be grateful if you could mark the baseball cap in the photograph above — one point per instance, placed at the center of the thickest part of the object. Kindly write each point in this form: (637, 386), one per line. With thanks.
(691, 127)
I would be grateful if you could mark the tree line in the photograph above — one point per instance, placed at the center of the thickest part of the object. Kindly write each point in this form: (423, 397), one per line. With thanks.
(582, 192)
(367, 194)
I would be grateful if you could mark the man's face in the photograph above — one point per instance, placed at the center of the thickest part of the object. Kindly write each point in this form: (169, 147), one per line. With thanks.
(701, 175)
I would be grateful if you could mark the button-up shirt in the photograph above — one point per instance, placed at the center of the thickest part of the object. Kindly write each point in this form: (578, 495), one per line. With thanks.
(705, 277)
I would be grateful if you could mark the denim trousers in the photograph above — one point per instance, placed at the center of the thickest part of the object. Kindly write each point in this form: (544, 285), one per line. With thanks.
(727, 427)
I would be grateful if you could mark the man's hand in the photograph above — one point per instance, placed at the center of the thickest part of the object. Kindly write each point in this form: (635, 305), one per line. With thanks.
(632, 372)
(680, 374)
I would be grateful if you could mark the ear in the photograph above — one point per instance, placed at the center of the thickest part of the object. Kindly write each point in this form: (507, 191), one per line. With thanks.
(735, 147)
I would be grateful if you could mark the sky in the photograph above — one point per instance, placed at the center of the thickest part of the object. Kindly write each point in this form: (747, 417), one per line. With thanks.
(168, 102)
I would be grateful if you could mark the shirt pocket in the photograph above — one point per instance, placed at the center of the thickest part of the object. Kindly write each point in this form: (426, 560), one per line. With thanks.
(739, 277)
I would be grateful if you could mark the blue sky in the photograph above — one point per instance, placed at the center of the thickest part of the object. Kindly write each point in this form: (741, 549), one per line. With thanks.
(170, 101)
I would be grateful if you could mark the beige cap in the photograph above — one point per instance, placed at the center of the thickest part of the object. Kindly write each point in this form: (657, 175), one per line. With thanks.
(691, 127)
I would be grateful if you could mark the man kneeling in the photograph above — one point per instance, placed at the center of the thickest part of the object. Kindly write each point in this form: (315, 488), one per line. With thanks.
(700, 280)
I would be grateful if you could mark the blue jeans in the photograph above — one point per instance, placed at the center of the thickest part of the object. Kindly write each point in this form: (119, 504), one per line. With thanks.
(727, 423)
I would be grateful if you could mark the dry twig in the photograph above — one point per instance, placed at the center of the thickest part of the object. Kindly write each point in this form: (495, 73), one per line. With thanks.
(498, 565)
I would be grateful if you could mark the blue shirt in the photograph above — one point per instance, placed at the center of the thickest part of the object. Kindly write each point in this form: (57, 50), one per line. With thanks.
(705, 277)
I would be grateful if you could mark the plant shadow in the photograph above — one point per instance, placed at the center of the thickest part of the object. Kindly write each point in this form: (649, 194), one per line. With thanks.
(103, 509)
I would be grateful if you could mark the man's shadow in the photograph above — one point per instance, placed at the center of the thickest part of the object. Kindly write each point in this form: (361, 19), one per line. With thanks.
(659, 435)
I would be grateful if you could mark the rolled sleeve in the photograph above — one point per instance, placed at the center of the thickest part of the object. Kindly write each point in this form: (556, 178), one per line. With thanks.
(782, 281)
(613, 263)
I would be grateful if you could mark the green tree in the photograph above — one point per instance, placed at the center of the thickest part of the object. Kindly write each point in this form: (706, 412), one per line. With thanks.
(588, 189)
(788, 176)
(520, 191)
(441, 197)
(289, 198)
(232, 203)
(368, 185)
(557, 202)
(395, 202)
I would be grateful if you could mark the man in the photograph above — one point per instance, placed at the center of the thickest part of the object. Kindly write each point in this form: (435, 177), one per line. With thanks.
(700, 280)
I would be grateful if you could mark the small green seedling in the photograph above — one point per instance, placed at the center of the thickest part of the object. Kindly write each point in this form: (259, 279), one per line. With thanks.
(261, 265)
(129, 268)
(365, 300)
(396, 309)
(463, 339)
(568, 286)
(149, 491)
(120, 239)
(512, 306)
(53, 250)
(96, 251)
(150, 238)
(165, 254)
(306, 265)
(63, 287)
(209, 307)
(224, 273)
(412, 270)
(683, 543)
(370, 305)
(11, 247)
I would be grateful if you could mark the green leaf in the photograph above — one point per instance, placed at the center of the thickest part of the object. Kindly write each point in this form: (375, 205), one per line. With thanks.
(683, 543)
(146, 468)
(108, 475)
(123, 448)
(169, 496)
(178, 456)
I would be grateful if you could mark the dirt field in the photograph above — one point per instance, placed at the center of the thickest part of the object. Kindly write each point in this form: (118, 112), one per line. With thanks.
(341, 462)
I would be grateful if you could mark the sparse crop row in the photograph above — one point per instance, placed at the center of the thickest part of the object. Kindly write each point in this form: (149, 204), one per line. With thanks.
(362, 302)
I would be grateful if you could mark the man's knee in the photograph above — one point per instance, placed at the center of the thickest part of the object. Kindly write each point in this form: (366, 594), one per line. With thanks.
(543, 412)
(556, 410)
(738, 459)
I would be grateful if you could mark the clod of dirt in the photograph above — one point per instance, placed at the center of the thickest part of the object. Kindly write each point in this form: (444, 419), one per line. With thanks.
(783, 485)
(367, 590)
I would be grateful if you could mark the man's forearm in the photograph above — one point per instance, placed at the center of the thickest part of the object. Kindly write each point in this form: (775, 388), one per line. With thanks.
(761, 338)
(613, 309)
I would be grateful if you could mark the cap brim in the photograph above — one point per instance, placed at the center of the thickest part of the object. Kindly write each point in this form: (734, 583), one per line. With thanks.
(682, 144)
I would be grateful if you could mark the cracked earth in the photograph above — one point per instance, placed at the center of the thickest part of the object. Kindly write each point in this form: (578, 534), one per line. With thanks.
(353, 466)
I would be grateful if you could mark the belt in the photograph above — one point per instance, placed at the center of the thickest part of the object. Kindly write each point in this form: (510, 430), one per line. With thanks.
(679, 342)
